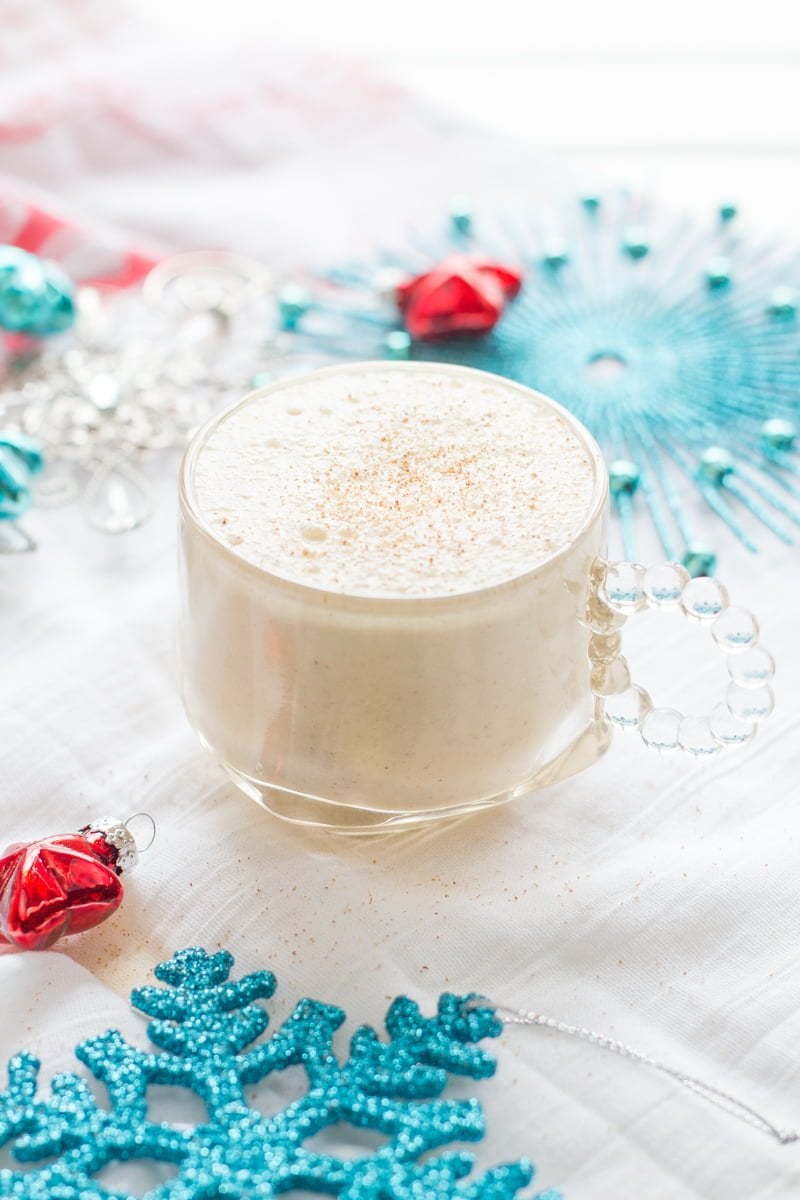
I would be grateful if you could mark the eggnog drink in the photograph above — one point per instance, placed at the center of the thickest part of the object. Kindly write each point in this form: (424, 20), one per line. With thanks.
(384, 573)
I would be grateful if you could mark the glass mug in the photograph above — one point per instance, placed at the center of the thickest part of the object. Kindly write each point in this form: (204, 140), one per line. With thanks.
(371, 713)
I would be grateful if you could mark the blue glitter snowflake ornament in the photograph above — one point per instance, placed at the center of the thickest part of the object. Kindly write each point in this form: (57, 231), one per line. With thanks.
(206, 1028)
(675, 341)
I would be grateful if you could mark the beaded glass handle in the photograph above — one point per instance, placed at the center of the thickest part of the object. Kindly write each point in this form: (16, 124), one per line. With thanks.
(620, 589)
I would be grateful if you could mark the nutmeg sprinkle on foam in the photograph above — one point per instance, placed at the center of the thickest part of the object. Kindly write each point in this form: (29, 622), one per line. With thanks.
(394, 483)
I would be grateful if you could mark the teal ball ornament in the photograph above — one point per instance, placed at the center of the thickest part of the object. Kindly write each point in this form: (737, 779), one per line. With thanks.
(26, 449)
(397, 345)
(716, 464)
(15, 492)
(555, 255)
(718, 272)
(699, 560)
(783, 303)
(636, 242)
(36, 297)
(624, 477)
(461, 216)
(778, 434)
(294, 302)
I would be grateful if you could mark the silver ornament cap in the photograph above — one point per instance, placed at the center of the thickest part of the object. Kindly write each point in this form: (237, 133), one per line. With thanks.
(116, 834)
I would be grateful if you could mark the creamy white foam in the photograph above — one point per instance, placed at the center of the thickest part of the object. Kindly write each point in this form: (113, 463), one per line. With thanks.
(395, 483)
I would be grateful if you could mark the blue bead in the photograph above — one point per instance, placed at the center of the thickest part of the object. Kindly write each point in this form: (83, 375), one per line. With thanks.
(718, 272)
(397, 345)
(591, 202)
(727, 211)
(294, 301)
(783, 303)
(777, 434)
(461, 216)
(26, 449)
(636, 242)
(699, 560)
(555, 255)
(15, 494)
(716, 464)
(623, 477)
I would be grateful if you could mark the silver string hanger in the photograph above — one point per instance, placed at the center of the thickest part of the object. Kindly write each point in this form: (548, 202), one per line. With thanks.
(733, 1106)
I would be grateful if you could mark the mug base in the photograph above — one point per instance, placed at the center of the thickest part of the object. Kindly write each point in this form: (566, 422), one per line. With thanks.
(316, 812)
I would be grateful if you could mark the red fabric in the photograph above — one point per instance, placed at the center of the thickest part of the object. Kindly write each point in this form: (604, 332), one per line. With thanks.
(54, 236)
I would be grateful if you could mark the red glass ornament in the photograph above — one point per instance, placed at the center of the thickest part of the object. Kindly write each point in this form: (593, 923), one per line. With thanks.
(60, 885)
(462, 294)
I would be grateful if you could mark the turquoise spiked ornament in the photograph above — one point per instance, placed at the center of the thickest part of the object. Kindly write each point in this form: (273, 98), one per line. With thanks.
(207, 1031)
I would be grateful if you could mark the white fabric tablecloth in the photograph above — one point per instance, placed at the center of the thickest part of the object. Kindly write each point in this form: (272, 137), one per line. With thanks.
(654, 899)
(651, 898)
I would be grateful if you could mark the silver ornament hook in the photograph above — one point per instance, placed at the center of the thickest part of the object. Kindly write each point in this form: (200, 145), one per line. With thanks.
(148, 827)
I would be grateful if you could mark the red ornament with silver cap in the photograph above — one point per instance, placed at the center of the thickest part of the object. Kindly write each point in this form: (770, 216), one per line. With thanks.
(64, 884)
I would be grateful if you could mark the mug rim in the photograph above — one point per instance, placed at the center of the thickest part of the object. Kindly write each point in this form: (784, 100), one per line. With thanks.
(191, 511)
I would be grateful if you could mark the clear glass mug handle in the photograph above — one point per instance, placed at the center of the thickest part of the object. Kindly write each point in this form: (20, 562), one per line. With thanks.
(620, 589)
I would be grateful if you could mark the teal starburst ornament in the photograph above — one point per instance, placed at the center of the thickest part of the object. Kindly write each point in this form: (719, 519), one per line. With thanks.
(207, 1032)
(675, 340)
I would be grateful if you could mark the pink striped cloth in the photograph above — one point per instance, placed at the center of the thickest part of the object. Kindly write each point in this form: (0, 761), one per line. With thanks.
(117, 147)
(40, 81)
